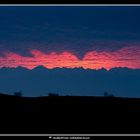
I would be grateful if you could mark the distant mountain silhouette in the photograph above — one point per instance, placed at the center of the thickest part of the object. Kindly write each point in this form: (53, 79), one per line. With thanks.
(78, 81)
(40, 68)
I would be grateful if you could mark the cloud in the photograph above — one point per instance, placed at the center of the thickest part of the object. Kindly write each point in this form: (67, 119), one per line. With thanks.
(124, 57)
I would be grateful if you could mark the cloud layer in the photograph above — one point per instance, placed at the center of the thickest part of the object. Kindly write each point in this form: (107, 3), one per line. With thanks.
(125, 57)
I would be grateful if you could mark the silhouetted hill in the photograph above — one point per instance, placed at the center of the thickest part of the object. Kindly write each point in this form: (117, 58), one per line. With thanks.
(69, 114)
(75, 82)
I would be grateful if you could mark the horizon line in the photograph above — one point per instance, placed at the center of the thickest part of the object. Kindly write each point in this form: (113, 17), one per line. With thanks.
(68, 68)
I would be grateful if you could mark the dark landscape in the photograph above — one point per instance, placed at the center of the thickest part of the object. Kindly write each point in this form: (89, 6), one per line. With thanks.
(69, 114)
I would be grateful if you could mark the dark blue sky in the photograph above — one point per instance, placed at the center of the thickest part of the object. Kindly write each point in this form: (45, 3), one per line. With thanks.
(40, 81)
(76, 29)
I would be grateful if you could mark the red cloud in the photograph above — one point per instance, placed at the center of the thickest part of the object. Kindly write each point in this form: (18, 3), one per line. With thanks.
(125, 57)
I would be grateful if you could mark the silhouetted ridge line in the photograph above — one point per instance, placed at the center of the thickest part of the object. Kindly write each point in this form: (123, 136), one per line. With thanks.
(41, 67)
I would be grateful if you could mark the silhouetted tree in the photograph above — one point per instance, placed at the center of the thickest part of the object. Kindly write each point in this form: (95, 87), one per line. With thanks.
(53, 94)
(105, 94)
(111, 95)
(19, 93)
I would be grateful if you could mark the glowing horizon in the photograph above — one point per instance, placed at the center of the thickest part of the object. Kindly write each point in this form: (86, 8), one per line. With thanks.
(125, 57)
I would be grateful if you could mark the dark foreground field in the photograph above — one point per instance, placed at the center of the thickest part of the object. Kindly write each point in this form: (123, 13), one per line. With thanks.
(70, 115)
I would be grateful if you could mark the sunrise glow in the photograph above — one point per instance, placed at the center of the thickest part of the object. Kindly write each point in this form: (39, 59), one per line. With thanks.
(125, 57)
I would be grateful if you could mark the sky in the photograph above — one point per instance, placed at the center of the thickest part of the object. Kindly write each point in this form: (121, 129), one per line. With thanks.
(121, 82)
(70, 37)
(65, 40)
